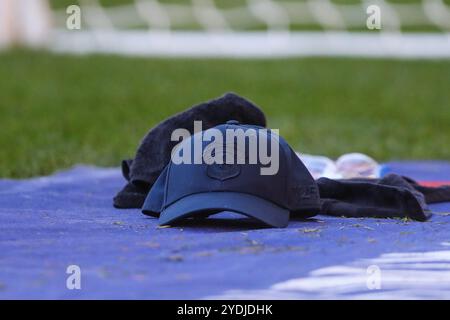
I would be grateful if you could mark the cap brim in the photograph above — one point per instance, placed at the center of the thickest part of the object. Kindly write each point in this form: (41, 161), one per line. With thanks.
(243, 203)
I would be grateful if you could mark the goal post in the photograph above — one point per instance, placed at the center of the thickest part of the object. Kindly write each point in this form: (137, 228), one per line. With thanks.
(24, 22)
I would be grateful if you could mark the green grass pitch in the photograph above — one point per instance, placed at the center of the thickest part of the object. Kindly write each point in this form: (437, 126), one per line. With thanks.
(56, 110)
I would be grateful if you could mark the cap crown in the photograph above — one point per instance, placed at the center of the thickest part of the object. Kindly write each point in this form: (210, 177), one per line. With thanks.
(291, 186)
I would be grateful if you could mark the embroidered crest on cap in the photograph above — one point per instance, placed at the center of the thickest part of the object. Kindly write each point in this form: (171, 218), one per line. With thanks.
(223, 171)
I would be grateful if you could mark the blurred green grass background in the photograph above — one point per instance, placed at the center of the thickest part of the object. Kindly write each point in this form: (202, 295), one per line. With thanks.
(56, 110)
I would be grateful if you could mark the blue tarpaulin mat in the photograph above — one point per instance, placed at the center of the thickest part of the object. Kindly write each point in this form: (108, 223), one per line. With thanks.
(50, 223)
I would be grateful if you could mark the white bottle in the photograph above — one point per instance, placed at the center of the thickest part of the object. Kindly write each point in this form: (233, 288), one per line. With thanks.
(357, 165)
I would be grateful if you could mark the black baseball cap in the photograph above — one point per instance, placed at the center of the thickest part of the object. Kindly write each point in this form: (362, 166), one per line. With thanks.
(200, 187)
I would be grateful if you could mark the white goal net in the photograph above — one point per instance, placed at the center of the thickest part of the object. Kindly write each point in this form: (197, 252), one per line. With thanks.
(253, 28)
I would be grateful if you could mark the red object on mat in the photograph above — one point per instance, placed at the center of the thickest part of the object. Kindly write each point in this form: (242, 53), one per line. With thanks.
(434, 183)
